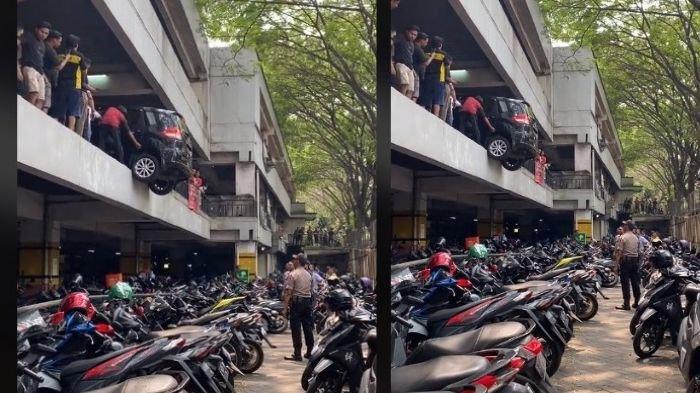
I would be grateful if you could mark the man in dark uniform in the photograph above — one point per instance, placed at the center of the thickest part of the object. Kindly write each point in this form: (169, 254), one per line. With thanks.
(297, 299)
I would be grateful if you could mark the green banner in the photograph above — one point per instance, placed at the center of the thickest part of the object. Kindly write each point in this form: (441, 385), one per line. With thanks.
(581, 238)
(242, 275)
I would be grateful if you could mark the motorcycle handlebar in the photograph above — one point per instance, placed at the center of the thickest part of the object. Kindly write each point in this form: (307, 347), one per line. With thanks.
(21, 367)
(397, 318)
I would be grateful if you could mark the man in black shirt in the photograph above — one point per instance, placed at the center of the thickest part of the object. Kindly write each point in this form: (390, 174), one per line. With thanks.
(33, 63)
(432, 97)
(403, 59)
(420, 61)
(67, 103)
(52, 65)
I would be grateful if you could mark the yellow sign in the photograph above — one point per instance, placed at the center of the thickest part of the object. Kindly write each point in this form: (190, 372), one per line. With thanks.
(248, 261)
(584, 226)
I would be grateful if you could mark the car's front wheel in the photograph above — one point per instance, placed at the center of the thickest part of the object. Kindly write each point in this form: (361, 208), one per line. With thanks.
(498, 147)
(145, 167)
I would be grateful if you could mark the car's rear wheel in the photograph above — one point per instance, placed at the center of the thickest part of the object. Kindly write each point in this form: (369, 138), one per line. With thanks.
(512, 164)
(145, 167)
(161, 187)
(498, 147)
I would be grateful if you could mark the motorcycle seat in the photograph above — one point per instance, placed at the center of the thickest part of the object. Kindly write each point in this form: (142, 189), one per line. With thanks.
(80, 366)
(487, 337)
(548, 275)
(145, 384)
(436, 374)
(204, 318)
(692, 289)
(187, 329)
(524, 286)
(446, 313)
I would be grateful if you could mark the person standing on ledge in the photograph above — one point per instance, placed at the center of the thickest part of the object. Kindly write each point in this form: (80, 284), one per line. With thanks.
(297, 299)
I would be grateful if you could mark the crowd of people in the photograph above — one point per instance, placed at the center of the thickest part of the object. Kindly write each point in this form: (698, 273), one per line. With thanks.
(319, 235)
(420, 70)
(644, 205)
(52, 74)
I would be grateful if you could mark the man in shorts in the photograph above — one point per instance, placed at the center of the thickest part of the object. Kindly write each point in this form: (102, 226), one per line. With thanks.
(420, 61)
(32, 62)
(433, 95)
(52, 65)
(403, 60)
(68, 95)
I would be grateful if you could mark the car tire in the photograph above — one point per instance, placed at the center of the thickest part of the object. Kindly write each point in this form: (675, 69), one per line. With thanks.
(161, 187)
(498, 147)
(145, 167)
(512, 164)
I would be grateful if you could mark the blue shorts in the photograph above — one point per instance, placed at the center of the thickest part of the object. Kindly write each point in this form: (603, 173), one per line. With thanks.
(66, 102)
(432, 92)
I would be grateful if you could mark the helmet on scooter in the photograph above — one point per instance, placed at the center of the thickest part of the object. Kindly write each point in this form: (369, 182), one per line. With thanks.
(656, 242)
(441, 260)
(685, 245)
(339, 299)
(77, 301)
(121, 291)
(661, 259)
(478, 251)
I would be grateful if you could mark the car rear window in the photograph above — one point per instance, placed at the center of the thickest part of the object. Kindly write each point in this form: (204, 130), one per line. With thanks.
(516, 108)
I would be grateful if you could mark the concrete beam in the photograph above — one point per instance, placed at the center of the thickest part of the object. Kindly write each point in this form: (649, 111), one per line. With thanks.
(117, 230)
(488, 23)
(529, 24)
(120, 84)
(137, 27)
(181, 19)
(77, 164)
(30, 204)
(96, 211)
(419, 134)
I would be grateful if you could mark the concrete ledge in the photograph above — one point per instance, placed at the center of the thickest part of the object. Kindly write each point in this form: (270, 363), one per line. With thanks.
(49, 150)
(419, 134)
(233, 229)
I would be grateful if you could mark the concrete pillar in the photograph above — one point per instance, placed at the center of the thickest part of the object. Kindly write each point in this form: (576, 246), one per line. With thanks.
(133, 259)
(39, 250)
(484, 225)
(410, 218)
(245, 178)
(247, 258)
(583, 222)
(582, 157)
(496, 222)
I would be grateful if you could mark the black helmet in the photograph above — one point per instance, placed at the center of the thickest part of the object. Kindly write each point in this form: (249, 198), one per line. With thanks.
(662, 259)
(339, 299)
(685, 245)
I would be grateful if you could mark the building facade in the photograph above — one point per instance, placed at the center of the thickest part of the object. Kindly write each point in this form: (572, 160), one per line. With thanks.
(79, 209)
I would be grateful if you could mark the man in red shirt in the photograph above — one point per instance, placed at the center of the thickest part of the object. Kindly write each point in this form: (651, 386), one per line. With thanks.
(112, 124)
(472, 110)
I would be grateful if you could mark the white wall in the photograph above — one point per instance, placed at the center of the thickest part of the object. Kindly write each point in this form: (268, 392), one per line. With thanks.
(419, 134)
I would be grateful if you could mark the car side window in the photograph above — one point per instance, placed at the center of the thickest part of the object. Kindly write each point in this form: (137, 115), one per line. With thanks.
(503, 107)
(137, 122)
(152, 122)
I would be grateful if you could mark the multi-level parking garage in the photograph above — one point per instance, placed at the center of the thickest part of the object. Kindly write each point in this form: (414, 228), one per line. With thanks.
(444, 183)
(81, 210)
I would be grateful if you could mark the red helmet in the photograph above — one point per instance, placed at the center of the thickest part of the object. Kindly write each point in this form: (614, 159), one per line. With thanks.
(442, 260)
(77, 301)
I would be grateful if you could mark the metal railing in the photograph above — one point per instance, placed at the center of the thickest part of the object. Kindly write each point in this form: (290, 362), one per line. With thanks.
(569, 181)
(230, 206)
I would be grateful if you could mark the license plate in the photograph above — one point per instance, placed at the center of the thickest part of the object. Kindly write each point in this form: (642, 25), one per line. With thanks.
(541, 365)
(223, 371)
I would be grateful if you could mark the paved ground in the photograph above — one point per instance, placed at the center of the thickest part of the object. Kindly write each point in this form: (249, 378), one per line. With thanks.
(276, 374)
(601, 358)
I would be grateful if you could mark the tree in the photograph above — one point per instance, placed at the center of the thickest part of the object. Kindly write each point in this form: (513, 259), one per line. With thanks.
(648, 56)
(319, 61)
